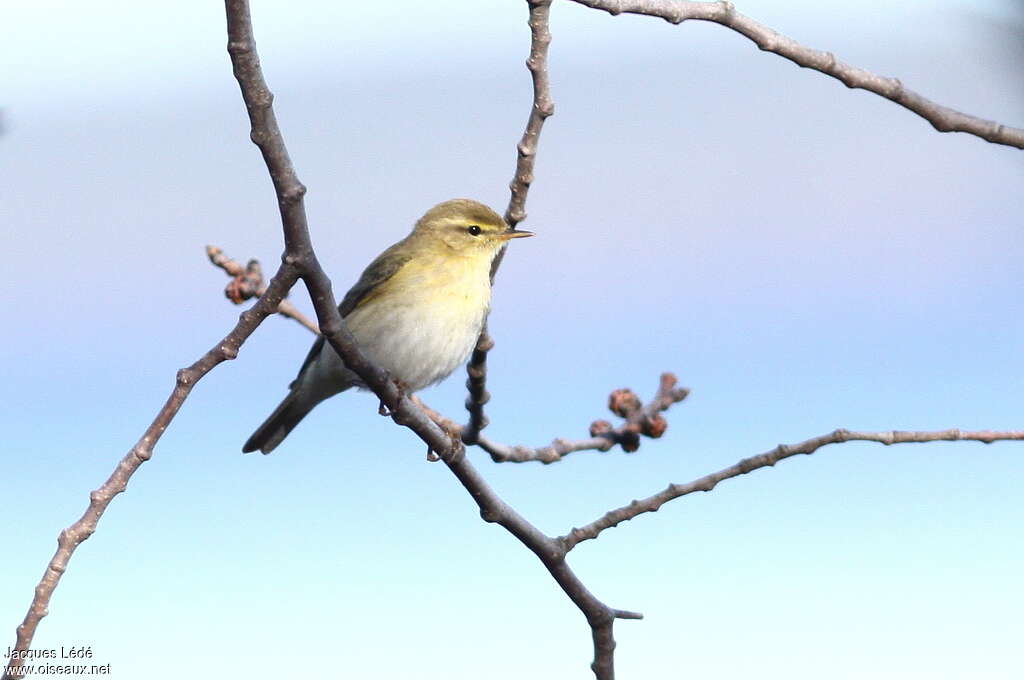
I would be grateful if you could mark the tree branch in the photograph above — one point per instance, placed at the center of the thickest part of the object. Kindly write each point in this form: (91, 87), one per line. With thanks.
(299, 261)
(543, 107)
(299, 253)
(639, 420)
(942, 118)
(71, 537)
(769, 458)
(599, 616)
(540, 110)
(476, 384)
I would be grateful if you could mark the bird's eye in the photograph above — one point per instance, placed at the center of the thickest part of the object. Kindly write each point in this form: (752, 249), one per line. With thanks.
(473, 230)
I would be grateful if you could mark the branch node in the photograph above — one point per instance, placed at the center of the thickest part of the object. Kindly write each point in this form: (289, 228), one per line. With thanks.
(258, 137)
(830, 63)
(897, 89)
(456, 450)
(294, 193)
(239, 47)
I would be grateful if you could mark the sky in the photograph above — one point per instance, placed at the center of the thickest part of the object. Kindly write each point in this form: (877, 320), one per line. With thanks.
(801, 255)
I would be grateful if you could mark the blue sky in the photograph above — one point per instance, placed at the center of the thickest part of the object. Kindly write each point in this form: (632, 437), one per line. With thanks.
(803, 256)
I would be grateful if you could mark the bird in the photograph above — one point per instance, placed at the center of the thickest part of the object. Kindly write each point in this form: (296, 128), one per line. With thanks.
(416, 312)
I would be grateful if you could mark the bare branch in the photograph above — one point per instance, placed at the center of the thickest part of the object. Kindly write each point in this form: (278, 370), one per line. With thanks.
(247, 282)
(300, 261)
(476, 383)
(299, 252)
(769, 458)
(551, 553)
(290, 193)
(71, 537)
(540, 110)
(639, 420)
(942, 118)
(552, 453)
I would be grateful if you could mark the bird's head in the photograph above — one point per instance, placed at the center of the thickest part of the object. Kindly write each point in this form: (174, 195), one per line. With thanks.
(467, 227)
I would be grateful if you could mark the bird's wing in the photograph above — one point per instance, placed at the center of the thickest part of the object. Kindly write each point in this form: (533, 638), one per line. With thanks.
(379, 271)
(314, 351)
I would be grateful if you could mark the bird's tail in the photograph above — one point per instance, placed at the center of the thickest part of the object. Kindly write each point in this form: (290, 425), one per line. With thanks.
(283, 420)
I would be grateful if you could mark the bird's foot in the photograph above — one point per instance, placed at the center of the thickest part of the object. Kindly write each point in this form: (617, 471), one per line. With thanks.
(403, 390)
(453, 430)
(456, 447)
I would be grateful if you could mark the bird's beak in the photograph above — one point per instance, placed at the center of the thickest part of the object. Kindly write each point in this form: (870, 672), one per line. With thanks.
(514, 233)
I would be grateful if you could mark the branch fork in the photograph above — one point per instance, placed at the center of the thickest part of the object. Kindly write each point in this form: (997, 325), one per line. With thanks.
(443, 437)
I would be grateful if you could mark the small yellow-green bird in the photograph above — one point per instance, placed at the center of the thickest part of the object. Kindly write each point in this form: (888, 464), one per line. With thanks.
(416, 312)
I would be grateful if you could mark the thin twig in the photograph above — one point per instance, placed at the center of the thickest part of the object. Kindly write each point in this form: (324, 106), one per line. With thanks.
(942, 118)
(247, 282)
(543, 107)
(476, 385)
(71, 537)
(558, 449)
(540, 110)
(640, 420)
(767, 459)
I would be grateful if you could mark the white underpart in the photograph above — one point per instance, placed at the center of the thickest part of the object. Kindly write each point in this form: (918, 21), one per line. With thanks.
(419, 340)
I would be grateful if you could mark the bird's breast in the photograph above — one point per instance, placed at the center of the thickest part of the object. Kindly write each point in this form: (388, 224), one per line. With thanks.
(426, 319)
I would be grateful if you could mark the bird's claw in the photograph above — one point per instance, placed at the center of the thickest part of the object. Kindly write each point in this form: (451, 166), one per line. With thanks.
(382, 409)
